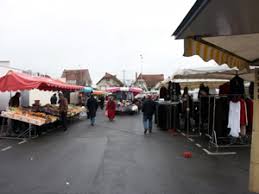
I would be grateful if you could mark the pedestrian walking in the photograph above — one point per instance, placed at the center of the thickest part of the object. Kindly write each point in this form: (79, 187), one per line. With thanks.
(111, 108)
(63, 107)
(148, 110)
(92, 106)
(101, 99)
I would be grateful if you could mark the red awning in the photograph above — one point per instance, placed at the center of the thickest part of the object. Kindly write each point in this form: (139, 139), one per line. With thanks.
(14, 81)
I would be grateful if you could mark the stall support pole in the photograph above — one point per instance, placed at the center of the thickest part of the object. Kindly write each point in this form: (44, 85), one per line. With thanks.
(200, 116)
(188, 117)
(214, 139)
(254, 162)
(208, 128)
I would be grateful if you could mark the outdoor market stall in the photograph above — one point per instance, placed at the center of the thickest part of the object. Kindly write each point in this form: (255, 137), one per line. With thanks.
(125, 98)
(168, 106)
(227, 32)
(36, 115)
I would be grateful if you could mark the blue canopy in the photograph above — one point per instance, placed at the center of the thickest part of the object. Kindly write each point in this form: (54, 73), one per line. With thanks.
(87, 89)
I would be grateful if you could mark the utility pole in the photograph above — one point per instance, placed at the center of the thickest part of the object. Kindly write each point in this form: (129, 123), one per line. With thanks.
(123, 72)
(141, 64)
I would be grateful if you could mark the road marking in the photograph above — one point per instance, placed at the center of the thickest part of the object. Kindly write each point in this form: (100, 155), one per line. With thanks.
(6, 148)
(183, 134)
(21, 142)
(218, 153)
(192, 140)
(198, 145)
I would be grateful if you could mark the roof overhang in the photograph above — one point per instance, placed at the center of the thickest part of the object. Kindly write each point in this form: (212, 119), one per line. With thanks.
(226, 31)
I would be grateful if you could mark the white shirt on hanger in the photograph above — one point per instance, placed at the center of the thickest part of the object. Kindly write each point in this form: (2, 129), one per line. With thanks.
(234, 118)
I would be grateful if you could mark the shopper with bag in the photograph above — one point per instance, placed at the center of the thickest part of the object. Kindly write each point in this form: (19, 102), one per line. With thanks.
(110, 109)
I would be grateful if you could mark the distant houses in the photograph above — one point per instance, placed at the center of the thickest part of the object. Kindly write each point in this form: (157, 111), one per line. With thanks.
(108, 80)
(77, 76)
(148, 81)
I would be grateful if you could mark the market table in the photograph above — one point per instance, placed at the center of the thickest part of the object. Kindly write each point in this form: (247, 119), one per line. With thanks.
(31, 120)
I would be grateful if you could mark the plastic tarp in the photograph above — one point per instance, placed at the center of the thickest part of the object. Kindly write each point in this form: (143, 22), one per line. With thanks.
(14, 81)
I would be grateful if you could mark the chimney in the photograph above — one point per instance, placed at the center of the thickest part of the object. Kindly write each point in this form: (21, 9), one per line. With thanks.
(136, 75)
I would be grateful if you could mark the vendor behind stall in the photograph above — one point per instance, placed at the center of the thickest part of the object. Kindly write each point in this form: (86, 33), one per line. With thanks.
(53, 99)
(63, 107)
(15, 100)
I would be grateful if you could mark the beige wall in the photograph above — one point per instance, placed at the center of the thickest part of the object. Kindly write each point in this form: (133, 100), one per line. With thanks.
(254, 163)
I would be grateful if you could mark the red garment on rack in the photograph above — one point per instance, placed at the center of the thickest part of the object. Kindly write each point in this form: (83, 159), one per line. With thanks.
(250, 113)
(243, 112)
(224, 88)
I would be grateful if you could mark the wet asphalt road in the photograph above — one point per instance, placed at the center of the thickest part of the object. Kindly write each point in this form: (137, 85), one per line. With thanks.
(116, 158)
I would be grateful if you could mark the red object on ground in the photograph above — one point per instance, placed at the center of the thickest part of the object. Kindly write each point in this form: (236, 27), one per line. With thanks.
(14, 81)
(187, 154)
(173, 132)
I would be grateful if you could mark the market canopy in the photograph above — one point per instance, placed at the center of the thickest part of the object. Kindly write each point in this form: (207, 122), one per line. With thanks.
(219, 72)
(195, 83)
(225, 31)
(135, 90)
(14, 81)
(87, 89)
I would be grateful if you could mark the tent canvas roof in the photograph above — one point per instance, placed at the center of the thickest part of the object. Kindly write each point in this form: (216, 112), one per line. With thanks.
(225, 31)
(14, 81)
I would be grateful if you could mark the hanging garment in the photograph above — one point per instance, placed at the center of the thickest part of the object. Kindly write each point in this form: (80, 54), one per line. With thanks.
(234, 118)
(221, 115)
(224, 89)
(237, 85)
(251, 90)
(250, 112)
(243, 113)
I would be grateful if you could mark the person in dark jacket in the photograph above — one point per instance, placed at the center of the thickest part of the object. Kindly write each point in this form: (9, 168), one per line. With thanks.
(92, 106)
(15, 100)
(148, 110)
(63, 108)
(53, 99)
(101, 102)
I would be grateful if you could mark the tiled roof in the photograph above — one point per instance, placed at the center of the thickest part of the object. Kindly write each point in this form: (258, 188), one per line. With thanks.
(151, 79)
(110, 76)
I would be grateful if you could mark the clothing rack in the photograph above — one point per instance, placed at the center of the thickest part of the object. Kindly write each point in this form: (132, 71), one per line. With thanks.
(211, 132)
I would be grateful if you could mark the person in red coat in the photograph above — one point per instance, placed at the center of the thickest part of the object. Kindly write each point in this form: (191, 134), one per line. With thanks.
(111, 108)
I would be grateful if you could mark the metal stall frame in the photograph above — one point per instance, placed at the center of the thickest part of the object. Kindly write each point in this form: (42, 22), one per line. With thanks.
(28, 133)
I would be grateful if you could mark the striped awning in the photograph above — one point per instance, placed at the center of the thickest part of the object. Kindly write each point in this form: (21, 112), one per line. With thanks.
(209, 52)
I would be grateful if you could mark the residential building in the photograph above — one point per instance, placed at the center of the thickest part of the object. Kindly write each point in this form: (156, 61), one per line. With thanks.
(148, 81)
(77, 76)
(108, 80)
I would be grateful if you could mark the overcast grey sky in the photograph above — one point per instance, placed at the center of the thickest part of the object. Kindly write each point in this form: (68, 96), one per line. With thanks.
(101, 35)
